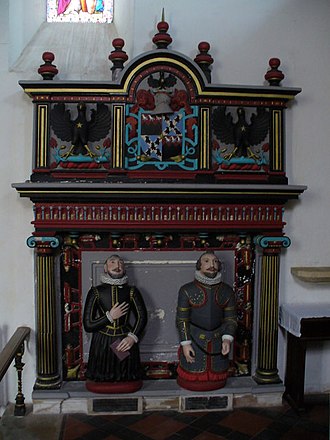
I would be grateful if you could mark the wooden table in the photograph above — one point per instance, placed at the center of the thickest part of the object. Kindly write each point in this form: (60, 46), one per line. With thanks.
(304, 323)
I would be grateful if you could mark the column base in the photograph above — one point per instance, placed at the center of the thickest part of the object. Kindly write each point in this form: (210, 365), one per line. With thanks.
(266, 377)
(48, 383)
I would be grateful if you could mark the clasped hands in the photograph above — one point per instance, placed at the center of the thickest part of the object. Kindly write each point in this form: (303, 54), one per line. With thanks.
(189, 352)
(116, 312)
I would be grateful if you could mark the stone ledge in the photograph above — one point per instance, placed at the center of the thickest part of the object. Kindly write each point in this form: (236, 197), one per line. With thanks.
(320, 274)
(159, 395)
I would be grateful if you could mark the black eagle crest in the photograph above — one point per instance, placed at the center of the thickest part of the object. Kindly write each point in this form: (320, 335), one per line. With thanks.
(80, 131)
(163, 82)
(241, 134)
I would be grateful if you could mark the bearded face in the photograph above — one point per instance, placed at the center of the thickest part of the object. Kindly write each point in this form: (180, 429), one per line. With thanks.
(115, 267)
(210, 265)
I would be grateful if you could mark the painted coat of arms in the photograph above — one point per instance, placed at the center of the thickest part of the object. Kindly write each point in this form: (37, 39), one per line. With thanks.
(161, 128)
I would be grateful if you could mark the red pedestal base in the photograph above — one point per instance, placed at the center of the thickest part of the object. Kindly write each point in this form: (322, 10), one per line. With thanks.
(201, 385)
(113, 387)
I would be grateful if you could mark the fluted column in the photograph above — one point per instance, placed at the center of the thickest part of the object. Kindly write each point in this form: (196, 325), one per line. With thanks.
(267, 372)
(48, 376)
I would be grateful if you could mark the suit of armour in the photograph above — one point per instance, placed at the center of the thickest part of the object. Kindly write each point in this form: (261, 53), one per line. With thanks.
(205, 313)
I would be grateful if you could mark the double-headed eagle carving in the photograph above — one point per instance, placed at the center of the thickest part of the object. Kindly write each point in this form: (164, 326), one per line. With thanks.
(80, 131)
(241, 134)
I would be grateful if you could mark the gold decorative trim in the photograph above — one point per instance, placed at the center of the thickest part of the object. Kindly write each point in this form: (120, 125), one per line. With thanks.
(205, 138)
(277, 141)
(146, 192)
(42, 116)
(268, 313)
(47, 363)
(212, 93)
(118, 116)
(158, 60)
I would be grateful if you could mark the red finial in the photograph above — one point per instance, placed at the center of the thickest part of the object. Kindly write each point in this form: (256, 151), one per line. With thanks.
(274, 76)
(204, 59)
(162, 39)
(118, 57)
(48, 70)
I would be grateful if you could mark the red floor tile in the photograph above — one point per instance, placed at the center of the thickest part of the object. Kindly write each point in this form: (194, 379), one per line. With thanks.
(74, 429)
(157, 427)
(245, 422)
(209, 436)
(111, 437)
(319, 414)
(280, 423)
(297, 433)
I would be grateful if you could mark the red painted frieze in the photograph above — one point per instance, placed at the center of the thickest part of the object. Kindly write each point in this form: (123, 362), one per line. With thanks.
(138, 216)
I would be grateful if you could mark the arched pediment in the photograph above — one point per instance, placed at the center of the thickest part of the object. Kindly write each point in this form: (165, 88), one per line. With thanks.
(169, 62)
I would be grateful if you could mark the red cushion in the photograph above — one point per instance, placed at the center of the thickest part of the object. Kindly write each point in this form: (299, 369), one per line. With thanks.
(113, 387)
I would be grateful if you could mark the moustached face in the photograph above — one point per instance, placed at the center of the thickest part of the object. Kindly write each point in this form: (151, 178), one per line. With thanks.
(115, 267)
(210, 265)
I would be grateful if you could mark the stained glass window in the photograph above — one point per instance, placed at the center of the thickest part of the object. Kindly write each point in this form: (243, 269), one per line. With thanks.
(80, 11)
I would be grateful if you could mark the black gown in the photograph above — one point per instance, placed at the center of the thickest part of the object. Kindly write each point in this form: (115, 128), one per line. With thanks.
(103, 365)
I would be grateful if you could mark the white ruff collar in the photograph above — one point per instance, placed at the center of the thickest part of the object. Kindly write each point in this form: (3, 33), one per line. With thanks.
(206, 280)
(107, 279)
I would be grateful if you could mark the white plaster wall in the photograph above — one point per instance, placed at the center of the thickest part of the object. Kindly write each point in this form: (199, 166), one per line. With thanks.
(17, 297)
(243, 36)
(124, 12)
(24, 20)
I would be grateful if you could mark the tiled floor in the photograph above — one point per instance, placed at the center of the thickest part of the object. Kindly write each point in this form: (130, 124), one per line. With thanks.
(276, 423)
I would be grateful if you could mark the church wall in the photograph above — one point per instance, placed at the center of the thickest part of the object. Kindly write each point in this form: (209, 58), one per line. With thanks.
(243, 36)
(17, 290)
(124, 11)
(24, 20)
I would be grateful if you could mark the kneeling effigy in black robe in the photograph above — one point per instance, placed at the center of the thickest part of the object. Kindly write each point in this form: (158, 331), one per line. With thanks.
(103, 364)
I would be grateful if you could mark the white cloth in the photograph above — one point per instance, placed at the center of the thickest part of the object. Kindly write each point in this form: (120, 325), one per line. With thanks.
(291, 314)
